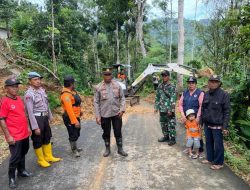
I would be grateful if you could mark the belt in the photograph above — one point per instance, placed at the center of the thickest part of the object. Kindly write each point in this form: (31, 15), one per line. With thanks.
(41, 113)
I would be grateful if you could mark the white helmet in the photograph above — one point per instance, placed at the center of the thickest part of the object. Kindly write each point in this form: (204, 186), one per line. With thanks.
(190, 111)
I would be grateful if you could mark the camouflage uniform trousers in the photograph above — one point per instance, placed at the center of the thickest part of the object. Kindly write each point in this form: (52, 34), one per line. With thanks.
(168, 124)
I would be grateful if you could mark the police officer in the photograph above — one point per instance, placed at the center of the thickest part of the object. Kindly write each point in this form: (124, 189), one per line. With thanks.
(16, 130)
(71, 103)
(165, 103)
(109, 102)
(215, 115)
(39, 114)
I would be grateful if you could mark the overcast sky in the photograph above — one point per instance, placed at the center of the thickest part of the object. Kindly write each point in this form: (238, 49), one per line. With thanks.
(189, 9)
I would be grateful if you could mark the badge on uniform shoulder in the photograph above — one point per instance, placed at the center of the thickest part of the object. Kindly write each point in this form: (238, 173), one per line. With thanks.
(67, 99)
(27, 97)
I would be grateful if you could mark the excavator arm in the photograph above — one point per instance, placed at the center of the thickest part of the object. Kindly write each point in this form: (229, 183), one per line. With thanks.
(156, 68)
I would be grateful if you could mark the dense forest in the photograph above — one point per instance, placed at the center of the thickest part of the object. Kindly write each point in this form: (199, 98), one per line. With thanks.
(79, 37)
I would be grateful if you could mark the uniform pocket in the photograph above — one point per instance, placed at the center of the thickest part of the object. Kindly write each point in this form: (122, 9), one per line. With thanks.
(104, 95)
(116, 93)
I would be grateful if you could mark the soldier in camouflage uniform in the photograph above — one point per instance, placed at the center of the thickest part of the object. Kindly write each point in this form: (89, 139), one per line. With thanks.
(165, 102)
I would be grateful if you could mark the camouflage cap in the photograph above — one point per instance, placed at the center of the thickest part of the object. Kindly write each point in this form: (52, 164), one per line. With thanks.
(165, 73)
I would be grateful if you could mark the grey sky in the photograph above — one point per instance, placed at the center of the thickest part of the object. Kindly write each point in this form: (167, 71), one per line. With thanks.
(189, 8)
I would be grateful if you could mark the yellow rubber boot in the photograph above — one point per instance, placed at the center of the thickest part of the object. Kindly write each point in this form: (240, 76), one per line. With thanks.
(41, 161)
(48, 156)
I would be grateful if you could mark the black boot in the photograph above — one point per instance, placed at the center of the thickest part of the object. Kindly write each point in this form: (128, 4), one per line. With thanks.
(78, 148)
(22, 172)
(172, 141)
(74, 149)
(107, 145)
(163, 139)
(12, 177)
(120, 149)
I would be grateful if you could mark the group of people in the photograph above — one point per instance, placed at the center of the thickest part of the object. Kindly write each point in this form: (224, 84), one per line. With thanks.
(208, 111)
(21, 118)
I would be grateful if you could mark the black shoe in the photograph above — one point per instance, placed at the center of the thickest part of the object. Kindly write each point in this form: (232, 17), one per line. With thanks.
(120, 149)
(12, 177)
(107, 145)
(74, 149)
(107, 152)
(121, 152)
(79, 149)
(163, 139)
(171, 143)
(24, 173)
(12, 183)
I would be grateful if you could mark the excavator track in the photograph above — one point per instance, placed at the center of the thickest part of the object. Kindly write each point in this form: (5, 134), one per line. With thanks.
(133, 100)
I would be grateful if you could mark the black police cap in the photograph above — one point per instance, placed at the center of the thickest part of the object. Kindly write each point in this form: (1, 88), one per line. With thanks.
(69, 79)
(192, 79)
(107, 70)
(11, 82)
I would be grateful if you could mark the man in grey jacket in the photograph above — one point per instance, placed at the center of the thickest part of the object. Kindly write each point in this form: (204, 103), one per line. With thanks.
(39, 114)
(109, 102)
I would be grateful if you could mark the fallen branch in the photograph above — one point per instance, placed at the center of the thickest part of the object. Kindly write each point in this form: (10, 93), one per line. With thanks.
(22, 59)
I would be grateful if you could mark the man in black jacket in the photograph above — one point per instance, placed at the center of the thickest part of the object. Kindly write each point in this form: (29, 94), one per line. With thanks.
(215, 116)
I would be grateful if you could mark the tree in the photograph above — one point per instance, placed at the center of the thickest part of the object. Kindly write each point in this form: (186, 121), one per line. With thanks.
(139, 25)
(7, 12)
(113, 14)
(180, 42)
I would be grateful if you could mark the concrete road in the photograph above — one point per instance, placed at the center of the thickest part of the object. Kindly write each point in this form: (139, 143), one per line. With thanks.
(150, 165)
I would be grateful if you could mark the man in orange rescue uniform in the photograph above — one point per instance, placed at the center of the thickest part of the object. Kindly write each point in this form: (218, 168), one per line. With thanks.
(71, 103)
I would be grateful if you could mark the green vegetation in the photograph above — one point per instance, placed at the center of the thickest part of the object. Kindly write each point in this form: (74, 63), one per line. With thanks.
(88, 35)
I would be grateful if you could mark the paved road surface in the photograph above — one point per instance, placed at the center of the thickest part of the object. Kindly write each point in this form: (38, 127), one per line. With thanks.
(150, 165)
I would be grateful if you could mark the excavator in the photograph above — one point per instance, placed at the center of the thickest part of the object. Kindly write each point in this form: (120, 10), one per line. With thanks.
(130, 91)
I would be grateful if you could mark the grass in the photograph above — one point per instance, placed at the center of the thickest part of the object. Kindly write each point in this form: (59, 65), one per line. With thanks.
(237, 157)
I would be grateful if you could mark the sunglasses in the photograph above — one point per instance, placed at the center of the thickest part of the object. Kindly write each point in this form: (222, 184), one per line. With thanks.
(191, 82)
(164, 75)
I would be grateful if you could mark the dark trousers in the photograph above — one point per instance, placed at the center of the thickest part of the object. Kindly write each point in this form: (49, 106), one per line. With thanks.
(214, 145)
(106, 126)
(201, 149)
(18, 152)
(45, 136)
(74, 133)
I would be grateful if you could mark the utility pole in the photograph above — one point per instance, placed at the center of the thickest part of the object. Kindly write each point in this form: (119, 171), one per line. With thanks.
(194, 30)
